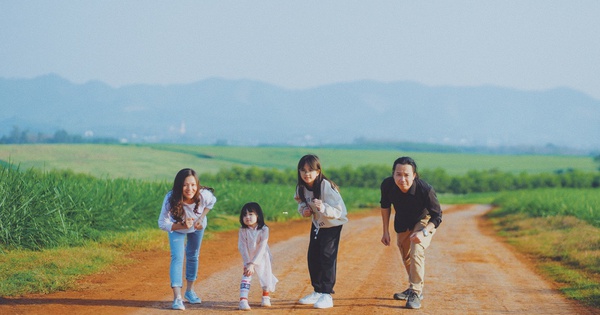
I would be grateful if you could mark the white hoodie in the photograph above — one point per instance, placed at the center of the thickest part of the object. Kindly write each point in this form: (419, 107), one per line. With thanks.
(334, 210)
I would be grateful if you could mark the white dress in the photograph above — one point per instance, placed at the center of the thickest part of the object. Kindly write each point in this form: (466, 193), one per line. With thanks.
(252, 244)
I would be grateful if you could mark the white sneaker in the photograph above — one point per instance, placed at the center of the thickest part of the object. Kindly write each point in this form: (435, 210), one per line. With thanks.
(310, 299)
(244, 306)
(178, 304)
(325, 301)
(266, 301)
(192, 297)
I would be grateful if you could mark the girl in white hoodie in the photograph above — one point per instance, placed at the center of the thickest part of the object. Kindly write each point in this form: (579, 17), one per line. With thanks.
(319, 198)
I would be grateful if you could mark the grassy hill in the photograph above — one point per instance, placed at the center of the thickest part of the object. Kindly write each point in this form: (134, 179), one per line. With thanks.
(161, 162)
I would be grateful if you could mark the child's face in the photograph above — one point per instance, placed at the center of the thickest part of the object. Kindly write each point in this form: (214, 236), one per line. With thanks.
(308, 175)
(189, 188)
(251, 219)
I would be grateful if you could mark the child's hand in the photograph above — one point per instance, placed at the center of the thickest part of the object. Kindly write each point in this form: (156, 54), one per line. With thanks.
(249, 270)
(319, 204)
(306, 212)
(189, 222)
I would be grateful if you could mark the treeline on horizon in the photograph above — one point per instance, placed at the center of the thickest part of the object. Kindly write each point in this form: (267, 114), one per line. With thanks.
(24, 136)
(18, 136)
(370, 176)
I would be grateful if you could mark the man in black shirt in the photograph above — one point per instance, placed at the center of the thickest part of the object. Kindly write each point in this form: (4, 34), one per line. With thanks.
(418, 214)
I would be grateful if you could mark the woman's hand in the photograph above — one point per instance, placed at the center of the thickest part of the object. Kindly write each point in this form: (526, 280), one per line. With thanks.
(188, 223)
(198, 225)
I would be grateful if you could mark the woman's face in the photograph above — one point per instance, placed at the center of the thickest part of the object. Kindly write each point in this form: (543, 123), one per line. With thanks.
(189, 189)
(404, 176)
(250, 219)
(308, 175)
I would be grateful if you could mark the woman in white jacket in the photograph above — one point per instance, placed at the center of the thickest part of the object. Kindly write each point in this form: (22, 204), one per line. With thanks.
(319, 198)
(183, 216)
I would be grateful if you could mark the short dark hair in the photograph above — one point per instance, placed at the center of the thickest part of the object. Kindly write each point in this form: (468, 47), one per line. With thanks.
(405, 160)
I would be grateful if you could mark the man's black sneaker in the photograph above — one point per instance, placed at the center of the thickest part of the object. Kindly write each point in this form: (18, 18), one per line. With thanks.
(404, 295)
(414, 301)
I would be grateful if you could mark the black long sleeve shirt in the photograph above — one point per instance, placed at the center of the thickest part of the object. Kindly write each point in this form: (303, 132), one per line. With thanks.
(412, 206)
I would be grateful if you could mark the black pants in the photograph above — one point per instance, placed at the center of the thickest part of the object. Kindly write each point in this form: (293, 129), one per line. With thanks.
(322, 257)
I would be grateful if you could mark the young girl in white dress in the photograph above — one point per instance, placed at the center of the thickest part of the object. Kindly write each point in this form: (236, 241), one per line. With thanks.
(252, 244)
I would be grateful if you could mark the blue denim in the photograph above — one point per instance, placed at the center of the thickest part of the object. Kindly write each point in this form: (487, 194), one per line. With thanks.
(191, 249)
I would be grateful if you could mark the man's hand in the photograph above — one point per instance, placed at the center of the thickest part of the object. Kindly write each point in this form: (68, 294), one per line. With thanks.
(385, 239)
(417, 237)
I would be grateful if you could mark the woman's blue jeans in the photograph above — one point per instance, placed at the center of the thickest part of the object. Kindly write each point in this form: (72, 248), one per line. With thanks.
(191, 249)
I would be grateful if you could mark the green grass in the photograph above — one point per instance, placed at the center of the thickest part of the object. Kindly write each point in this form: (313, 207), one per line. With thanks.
(93, 223)
(559, 229)
(583, 204)
(453, 163)
(472, 198)
(50, 270)
(112, 161)
(58, 269)
(161, 162)
(40, 210)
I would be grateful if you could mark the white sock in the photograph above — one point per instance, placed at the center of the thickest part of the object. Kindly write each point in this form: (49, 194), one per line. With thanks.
(245, 287)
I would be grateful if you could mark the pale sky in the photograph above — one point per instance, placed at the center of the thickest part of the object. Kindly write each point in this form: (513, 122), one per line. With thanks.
(523, 44)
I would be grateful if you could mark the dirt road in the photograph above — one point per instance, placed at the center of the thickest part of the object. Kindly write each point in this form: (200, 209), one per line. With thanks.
(468, 272)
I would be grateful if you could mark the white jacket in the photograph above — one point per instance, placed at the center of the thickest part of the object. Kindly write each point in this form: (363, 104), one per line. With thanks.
(165, 221)
(334, 211)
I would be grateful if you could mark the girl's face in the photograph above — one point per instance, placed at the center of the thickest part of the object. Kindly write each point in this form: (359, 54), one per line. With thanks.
(189, 189)
(250, 219)
(308, 175)
(404, 176)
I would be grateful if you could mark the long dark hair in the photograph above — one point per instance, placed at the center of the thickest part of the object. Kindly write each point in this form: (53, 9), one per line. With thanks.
(176, 198)
(313, 163)
(253, 207)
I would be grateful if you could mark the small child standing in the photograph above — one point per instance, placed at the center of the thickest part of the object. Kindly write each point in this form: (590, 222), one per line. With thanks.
(253, 246)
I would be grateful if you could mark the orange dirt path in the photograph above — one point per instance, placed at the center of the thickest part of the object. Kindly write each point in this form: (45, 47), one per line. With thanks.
(469, 271)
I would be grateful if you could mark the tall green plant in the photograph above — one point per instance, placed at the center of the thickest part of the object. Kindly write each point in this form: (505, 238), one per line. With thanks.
(59, 208)
(583, 204)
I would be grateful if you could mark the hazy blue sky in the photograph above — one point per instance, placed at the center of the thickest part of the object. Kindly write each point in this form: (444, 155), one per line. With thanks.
(522, 44)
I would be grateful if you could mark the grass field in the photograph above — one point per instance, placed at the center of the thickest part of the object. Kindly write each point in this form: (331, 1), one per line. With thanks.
(558, 229)
(150, 168)
(161, 162)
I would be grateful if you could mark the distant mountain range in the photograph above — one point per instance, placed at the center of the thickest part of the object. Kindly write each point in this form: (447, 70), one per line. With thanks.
(244, 112)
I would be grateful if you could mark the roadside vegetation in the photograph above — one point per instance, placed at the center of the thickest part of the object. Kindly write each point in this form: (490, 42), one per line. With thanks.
(57, 225)
(559, 229)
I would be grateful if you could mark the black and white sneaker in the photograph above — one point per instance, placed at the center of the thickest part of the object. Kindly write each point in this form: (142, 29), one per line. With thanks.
(404, 295)
(414, 301)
